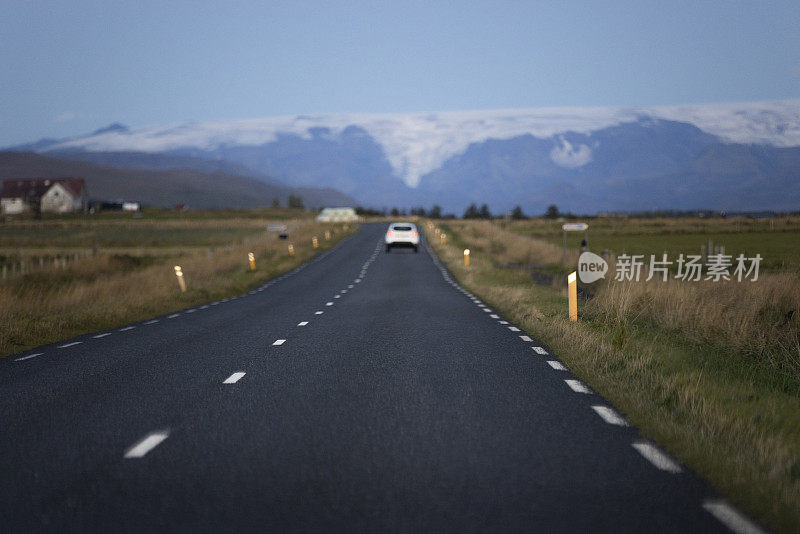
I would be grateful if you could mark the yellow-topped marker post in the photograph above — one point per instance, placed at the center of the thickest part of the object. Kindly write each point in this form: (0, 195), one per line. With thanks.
(315, 242)
(572, 292)
(181, 281)
(466, 257)
(291, 249)
(252, 258)
(443, 238)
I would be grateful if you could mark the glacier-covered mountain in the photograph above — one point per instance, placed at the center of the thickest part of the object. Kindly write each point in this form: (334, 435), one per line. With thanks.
(582, 158)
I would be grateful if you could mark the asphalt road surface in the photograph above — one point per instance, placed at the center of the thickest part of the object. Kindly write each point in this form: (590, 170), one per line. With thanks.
(364, 391)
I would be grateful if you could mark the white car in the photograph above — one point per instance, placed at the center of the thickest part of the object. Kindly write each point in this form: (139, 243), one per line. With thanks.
(402, 235)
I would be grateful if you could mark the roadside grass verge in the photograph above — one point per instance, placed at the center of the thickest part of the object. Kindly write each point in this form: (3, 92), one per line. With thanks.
(97, 293)
(708, 371)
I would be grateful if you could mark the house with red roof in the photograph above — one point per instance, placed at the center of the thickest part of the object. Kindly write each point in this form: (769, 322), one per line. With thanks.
(49, 195)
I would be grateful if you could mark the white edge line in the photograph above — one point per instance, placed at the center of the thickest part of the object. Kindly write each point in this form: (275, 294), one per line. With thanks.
(70, 344)
(558, 366)
(609, 416)
(653, 455)
(302, 323)
(279, 342)
(29, 356)
(730, 517)
(150, 442)
(577, 386)
(98, 336)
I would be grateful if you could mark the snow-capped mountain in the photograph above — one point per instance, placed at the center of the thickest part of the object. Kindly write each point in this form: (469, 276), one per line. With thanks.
(585, 159)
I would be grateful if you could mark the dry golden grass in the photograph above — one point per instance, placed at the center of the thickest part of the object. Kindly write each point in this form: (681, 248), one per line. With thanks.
(113, 289)
(708, 370)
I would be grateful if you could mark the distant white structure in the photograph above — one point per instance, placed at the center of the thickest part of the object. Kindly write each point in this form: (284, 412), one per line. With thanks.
(337, 215)
(48, 195)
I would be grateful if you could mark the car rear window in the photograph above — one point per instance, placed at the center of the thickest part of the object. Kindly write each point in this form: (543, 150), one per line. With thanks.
(402, 228)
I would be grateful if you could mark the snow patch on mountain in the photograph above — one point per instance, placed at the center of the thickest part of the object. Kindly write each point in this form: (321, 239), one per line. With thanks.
(418, 143)
(565, 155)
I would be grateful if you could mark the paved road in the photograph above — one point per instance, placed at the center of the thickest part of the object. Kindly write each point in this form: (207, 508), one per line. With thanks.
(362, 392)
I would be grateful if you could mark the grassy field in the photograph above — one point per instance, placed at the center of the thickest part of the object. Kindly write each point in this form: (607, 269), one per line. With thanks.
(710, 371)
(86, 274)
(775, 239)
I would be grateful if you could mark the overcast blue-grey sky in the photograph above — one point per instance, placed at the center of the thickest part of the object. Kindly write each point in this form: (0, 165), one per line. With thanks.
(71, 67)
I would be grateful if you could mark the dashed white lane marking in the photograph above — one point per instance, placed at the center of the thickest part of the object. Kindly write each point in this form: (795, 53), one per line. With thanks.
(503, 322)
(190, 311)
(29, 356)
(126, 328)
(279, 342)
(150, 442)
(343, 291)
(556, 365)
(494, 316)
(487, 310)
(173, 315)
(609, 416)
(350, 286)
(303, 323)
(513, 328)
(525, 338)
(329, 304)
(540, 350)
(337, 296)
(98, 336)
(357, 280)
(318, 313)
(154, 321)
(577, 386)
(204, 306)
(235, 377)
(656, 457)
(70, 344)
(731, 518)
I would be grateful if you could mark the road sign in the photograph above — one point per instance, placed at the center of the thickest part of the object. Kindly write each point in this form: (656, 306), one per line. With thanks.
(577, 227)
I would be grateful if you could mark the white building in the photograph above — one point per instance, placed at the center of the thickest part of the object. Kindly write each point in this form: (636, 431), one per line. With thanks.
(51, 195)
(337, 215)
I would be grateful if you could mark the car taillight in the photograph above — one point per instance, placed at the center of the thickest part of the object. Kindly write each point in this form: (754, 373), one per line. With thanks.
(389, 233)
(414, 234)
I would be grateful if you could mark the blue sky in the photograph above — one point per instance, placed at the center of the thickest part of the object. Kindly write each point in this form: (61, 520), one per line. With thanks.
(71, 67)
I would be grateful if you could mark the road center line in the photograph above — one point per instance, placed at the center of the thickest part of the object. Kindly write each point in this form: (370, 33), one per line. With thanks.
(329, 304)
(303, 323)
(730, 517)
(154, 321)
(150, 442)
(235, 377)
(126, 328)
(609, 416)
(98, 336)
(318, 313)
(577, 386)
(173, 316)
(656, 457)
(70, 344)
(279, 342)
(29, 356)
